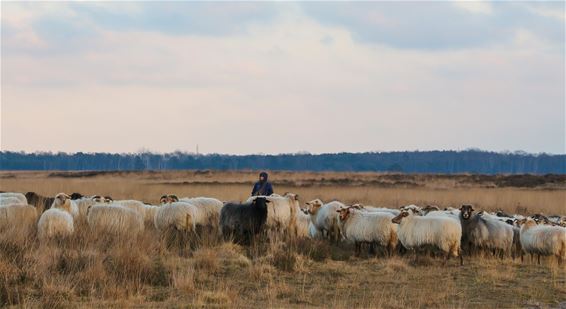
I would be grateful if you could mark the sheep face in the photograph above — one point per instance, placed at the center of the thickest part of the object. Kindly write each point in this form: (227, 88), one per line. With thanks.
(61, 198)
(466, 211)
(313, 206)
(163, 199)
(400, 217)
(108, 199)
(171, 198)
(343, 213)
(292, 195)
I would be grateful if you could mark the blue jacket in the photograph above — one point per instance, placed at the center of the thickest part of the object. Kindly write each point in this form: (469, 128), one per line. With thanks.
(262, 187)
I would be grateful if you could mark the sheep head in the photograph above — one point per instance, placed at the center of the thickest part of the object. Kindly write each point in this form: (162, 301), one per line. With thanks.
(293, 196)
(466, 211)
(403, 214)
(413, 208)
(163, 199)
(343, 213)
(171, 198)
(313, 206)
(62, 200)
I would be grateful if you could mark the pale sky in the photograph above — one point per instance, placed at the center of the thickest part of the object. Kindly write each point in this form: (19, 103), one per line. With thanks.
(283, 77)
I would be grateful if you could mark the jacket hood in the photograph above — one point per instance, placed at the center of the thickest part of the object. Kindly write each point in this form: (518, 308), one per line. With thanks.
(264, 174)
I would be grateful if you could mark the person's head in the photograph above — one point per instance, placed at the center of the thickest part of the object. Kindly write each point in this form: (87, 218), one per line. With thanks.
(263, 176)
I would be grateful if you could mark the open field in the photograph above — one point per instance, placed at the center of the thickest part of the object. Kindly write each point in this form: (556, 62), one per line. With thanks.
(92, 270)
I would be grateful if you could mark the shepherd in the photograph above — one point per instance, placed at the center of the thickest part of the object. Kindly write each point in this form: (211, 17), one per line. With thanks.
(262, 187)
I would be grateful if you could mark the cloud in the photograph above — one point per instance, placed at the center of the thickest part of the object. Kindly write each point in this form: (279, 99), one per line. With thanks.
(288, 84)
(436, 25)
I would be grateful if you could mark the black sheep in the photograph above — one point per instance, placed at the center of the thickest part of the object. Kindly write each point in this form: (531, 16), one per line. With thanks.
(243, 221)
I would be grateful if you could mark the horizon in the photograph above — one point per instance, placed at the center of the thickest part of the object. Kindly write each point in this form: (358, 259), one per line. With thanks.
(278, 78)
(145, 151)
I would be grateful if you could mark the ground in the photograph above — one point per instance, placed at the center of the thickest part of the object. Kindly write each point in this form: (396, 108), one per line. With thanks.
(101, 271)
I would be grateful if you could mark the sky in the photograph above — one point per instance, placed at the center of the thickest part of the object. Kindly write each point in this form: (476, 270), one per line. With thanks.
(282, 77)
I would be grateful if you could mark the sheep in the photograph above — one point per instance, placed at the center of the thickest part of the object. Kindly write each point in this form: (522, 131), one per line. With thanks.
(55, 222)
(324, 218)
(181, 216)
(18, 216)
(543, 240)
(42, 203)
(303, 223)
(102, 199)
(415, 231)
(429, 208)
(313, 232)
(244, 221)
(394, 212)
(64, 201)
(483, 232)
(115, 219)
(210, 206)
(11, 200)
(22, 200)
(281, 214)
(168, 198)
(444, 213)
(413, 208)
(368, 227)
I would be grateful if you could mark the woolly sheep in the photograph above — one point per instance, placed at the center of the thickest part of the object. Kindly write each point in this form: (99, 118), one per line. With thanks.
(19, 216)
(55, 222)
(210, 206)
(115, 219)
(281, 213)
(413, 208)
(368, 227)
(394, 212)
(324, 218)
(5, 196)
(181, 216)
(415, 231)
(303, 222)
(244, 221)
(483, 232)
(543, 240)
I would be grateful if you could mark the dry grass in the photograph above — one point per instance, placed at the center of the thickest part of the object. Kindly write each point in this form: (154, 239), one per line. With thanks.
(100, 271)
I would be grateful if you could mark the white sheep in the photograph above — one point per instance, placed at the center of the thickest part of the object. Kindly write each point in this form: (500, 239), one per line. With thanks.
(11, 200)
(413, 208)
(146, 211)
(394, 212)
(180, 216)
(115, 219)
(18, 216)
(415, 231)
(63, 201)
(281, 213)
(5, 196)
(210, 206)
(368, 227)
(324, 217)
(55, 222)
(543, 240)
(484, 232)
(303, 223)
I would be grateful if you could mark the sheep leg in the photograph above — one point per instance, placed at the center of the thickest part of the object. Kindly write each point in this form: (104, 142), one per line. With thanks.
(358, 249)
(371, 249)
(461, 258)
(538, 259)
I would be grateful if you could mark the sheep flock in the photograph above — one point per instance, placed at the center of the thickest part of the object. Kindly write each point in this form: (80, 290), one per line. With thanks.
(462, 232)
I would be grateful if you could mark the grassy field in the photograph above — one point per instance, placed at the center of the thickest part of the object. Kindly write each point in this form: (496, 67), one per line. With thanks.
(101, 271)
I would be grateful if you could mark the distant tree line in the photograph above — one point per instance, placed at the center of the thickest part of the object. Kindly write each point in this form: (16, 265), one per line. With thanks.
(446, 162)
